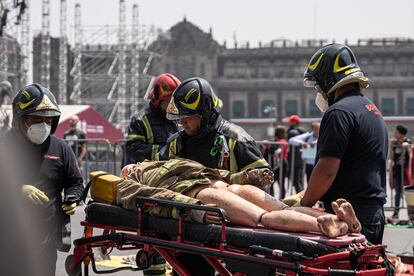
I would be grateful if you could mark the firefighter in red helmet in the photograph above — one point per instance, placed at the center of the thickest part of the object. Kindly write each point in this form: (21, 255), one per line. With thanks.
(149, 130)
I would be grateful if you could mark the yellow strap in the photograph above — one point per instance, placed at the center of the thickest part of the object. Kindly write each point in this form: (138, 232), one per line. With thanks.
(161, 171)
(147, 125)
(134, 137)
(154, 151)
(256, 164)
(156, 267)
(172, 150)
(233, 161)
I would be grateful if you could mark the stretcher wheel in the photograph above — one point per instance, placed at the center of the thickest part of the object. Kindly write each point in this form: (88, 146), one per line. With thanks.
(73, 271)
(143, 260)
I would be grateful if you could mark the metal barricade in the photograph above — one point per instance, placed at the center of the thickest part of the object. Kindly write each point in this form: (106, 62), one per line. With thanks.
(283, 165)
(119, 155)
(98, 156)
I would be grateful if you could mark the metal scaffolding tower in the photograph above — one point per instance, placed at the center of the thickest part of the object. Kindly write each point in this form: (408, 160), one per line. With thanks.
(77, 67)
(121, 95)
(25, 45)
(45, 68)
(109, 64)
(135, 59)
(63, 63)
(14, 30)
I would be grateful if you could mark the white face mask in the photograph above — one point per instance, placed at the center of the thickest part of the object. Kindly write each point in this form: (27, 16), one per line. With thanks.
(321, 103)
(38, 133)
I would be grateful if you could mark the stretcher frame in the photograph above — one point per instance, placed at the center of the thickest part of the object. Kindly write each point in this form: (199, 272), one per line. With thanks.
(362, 259)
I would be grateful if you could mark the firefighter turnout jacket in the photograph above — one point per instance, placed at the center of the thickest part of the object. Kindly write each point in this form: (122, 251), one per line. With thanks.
(226, 146)
(148, 132)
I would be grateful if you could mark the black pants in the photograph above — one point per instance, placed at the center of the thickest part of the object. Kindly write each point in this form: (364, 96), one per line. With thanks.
(297, 180)
(398, 183)
(309, 169)
(195, 265)
(279, 176)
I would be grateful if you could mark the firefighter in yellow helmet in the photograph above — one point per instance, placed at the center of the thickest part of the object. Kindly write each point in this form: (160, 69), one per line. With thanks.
(353, 140)
(47, 175)
(206, 137)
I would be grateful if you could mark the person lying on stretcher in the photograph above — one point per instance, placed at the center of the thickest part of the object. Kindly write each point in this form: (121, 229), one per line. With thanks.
(238, 194)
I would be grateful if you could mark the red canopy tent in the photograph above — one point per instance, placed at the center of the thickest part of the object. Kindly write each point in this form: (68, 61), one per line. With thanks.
(91, 122)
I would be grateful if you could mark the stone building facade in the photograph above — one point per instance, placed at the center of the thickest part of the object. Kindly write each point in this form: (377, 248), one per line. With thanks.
(264, 84)
(260, 86)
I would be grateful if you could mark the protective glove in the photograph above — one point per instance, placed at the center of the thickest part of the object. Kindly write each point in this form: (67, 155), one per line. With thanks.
(33, 194)
(69, 208)
(294, 200)
(261, 178)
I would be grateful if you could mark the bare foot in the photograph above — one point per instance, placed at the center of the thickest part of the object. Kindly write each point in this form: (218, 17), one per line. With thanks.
(332, 227)
(344, 211)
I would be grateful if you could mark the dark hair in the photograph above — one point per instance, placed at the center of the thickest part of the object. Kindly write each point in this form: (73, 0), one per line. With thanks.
(402, 129)
(280, 132)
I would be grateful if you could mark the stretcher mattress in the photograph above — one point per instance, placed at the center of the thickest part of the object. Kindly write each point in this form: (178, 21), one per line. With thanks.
(241, 237)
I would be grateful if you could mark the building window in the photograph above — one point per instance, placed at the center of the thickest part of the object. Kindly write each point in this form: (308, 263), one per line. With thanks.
(267, 109)
(291, 107)
(238, 109)
(409, 106)
(388, 107)
(313, 109)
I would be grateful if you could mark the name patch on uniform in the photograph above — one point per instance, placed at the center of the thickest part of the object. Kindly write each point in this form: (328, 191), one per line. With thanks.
(51, 157)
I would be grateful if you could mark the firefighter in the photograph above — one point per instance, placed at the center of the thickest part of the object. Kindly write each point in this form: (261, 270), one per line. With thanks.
(148, 133)
(353, 140)
(149, 130)
(206, 137)
(46, 167)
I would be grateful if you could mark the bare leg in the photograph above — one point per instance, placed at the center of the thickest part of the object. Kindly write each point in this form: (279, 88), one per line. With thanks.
(343, 209)
(289, 220)
(239, 210)
(242, 212)
(257, 197)
(266, 201)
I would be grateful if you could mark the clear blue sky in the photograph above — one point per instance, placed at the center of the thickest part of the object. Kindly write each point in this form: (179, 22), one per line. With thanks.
(254, 20)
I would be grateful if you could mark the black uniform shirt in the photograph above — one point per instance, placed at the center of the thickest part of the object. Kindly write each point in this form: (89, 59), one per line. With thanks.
(354, 131)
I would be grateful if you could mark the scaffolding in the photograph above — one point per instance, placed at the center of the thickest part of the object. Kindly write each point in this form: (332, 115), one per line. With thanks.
(45, 51)
(109, 65)
(63, 53)
(14, 41)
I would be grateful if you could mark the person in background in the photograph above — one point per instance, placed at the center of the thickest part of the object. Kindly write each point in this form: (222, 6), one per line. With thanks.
(72, 136)
(295, 155)
(277, 155)
(398, 161)
(307, 141)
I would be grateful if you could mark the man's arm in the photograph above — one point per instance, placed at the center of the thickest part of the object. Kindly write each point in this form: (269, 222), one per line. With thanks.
(83, 148)
(299, 140)
(138, 147)
(322, 177)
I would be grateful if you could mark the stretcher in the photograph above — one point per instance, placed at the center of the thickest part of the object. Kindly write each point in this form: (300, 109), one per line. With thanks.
(230, 250)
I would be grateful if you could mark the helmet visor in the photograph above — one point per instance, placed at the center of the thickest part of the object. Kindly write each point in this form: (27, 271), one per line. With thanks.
(45, 113)
(308, 82)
